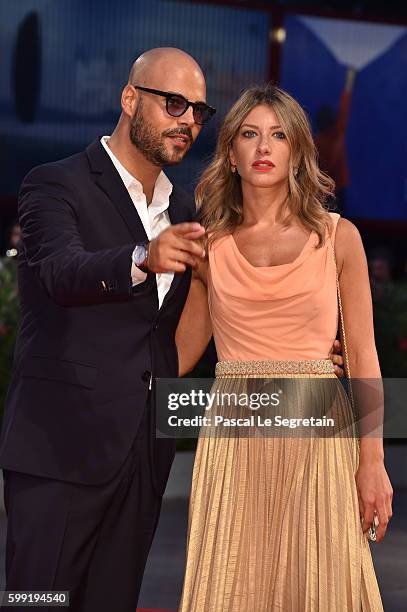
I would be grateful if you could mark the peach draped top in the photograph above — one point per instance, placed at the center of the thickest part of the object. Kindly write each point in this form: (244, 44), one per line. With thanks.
(287, 311)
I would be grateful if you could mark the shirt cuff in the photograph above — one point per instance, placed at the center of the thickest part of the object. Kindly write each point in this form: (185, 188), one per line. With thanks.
(137, 275)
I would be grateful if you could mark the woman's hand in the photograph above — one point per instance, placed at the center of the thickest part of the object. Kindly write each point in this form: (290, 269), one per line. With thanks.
(336, 357)
(374, 493)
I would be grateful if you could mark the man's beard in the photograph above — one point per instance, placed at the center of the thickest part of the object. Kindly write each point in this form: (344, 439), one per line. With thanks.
(151, 143)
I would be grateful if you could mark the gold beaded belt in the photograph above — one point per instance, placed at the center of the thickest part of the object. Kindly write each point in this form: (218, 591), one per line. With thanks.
(243, 369)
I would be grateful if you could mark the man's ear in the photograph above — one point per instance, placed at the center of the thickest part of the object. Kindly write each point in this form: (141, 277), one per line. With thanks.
(129, 100)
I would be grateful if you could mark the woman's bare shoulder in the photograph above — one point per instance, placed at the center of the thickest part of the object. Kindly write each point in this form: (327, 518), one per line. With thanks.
(347, 234)
(348, 241)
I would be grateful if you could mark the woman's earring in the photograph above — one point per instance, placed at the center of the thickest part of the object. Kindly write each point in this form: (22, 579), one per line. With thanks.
(233, 168)
(295, 172)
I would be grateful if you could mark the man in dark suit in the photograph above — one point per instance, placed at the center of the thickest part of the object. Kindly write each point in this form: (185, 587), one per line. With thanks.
(104, 271)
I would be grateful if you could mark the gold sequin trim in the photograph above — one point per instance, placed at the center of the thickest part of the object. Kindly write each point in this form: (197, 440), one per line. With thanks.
(238, 369)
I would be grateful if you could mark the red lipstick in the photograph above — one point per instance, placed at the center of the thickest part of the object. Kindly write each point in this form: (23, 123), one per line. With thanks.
(263, 165)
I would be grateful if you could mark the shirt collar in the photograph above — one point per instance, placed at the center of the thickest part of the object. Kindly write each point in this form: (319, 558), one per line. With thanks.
(162, 188)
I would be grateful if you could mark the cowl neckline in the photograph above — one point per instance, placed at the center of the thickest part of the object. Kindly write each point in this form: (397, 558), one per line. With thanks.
(303, 253)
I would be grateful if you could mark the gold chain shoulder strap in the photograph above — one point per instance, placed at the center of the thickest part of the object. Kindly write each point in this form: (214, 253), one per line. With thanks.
(372, 531)
(342, 332)
(373, 528)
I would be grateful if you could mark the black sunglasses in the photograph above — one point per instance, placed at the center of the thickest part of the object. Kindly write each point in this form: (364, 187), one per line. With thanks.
(176, 105)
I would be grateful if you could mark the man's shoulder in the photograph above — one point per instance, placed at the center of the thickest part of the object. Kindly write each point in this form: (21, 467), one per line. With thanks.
(70, 168)
(184, 201)
(66, 168)
(181, 193)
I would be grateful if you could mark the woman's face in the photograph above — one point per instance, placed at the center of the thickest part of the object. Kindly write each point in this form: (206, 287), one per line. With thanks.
(260, 150)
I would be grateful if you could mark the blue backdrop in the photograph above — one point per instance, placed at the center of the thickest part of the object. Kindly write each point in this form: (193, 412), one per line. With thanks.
(376, 136)
(86, 50)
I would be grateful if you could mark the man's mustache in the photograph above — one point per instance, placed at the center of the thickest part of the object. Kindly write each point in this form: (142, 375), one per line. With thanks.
(184, 131)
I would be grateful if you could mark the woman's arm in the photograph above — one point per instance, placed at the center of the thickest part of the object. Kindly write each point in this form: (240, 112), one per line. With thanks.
(374, 488)
(358, 322)
(194, 328)
(356, 302)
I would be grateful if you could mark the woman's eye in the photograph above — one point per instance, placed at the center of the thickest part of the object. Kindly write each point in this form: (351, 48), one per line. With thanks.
(279, 135)
(248, 133)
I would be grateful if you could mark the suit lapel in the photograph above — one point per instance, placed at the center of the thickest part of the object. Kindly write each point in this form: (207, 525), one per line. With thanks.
(109, 180)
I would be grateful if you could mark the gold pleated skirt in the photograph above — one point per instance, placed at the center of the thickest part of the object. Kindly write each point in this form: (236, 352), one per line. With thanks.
(274, 521)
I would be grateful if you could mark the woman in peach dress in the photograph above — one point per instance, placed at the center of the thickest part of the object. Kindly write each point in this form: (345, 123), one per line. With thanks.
(280, 522)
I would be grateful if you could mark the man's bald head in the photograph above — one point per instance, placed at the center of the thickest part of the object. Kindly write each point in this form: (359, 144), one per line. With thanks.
(163, 138)
(152, 66)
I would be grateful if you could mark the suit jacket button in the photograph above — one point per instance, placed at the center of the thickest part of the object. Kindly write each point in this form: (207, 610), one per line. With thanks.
(156, 326)
(146, 376)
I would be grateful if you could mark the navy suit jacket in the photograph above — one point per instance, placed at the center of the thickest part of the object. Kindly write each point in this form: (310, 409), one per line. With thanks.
(88, 341)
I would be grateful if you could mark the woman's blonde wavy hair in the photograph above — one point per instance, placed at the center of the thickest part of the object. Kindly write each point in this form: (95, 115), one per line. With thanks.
(219, 193)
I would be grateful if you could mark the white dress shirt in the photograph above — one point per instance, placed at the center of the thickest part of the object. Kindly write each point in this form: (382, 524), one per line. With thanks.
(154, 217)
